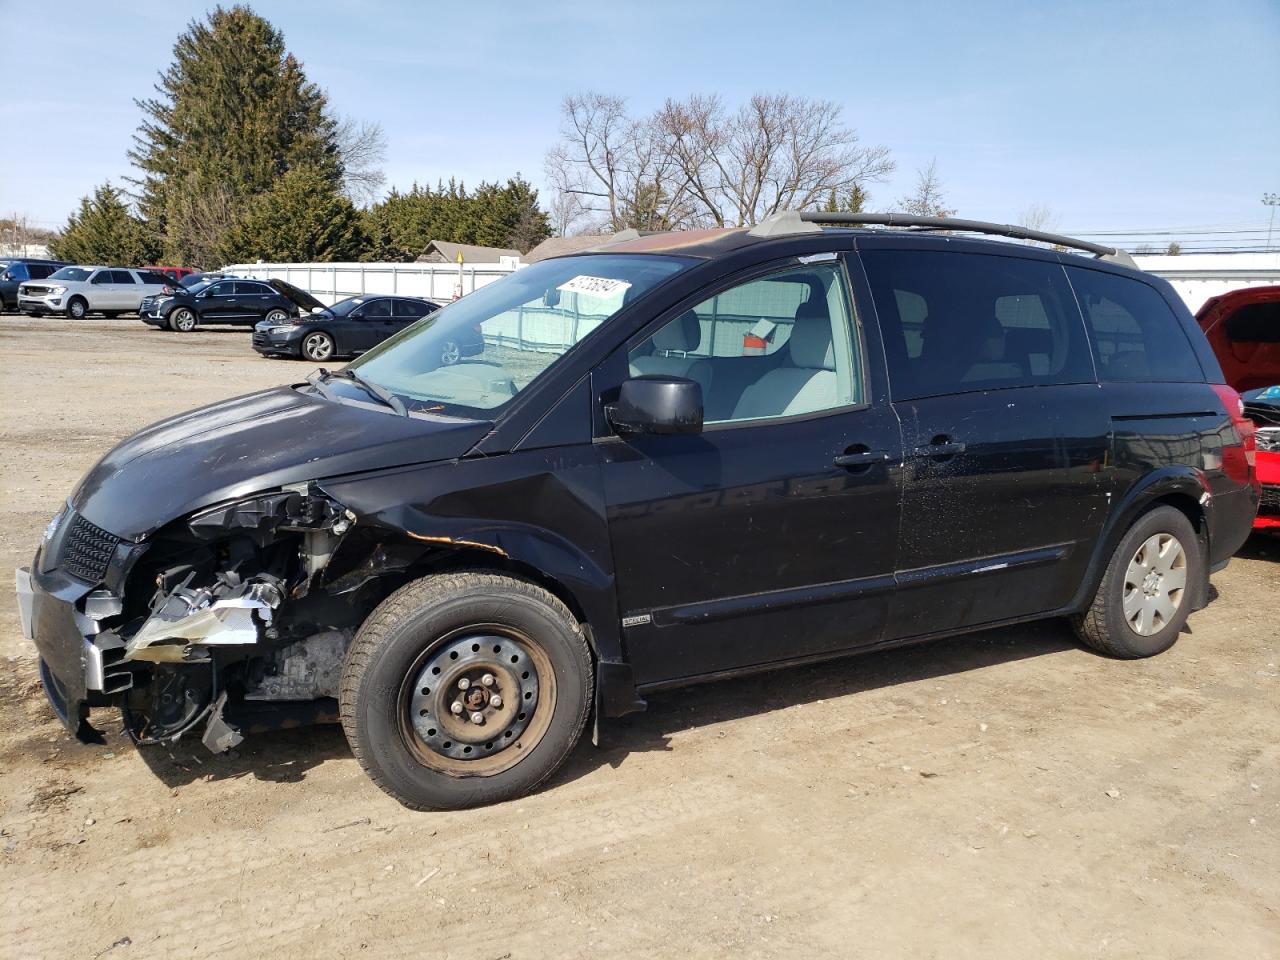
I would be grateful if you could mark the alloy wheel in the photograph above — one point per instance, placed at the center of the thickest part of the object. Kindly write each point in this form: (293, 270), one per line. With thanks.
(317, 346)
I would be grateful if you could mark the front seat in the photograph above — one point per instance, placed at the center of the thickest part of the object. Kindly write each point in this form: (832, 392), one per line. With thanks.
(808, 382)
(671, 346)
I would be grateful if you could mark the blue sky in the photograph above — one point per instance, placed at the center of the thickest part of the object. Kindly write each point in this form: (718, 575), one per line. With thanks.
(1113, 114)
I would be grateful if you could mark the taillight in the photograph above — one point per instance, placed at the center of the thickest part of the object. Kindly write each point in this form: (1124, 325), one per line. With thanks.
(1245, 430)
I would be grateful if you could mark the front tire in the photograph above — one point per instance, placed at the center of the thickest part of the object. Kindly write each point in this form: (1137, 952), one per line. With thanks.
(1146, 593)
(182, 320)
(464, 689)
(77, 308)
(318, 346)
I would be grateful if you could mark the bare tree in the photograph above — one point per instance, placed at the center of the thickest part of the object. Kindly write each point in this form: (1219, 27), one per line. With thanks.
(775, 152)
(697, 163)
(1037, 216)
(928, 199)
(18, 234)
(205, 213)
(363, 148)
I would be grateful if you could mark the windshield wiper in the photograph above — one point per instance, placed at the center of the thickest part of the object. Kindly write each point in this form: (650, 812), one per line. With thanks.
(374, 390)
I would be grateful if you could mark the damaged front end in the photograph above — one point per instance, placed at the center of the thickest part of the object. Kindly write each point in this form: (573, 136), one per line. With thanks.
(219, 621)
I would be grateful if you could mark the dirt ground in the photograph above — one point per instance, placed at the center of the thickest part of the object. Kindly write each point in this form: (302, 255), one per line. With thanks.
(1003, 795)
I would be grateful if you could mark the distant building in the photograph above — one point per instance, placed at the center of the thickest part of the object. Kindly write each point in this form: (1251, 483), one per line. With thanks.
(442, 251)
(1199, 276)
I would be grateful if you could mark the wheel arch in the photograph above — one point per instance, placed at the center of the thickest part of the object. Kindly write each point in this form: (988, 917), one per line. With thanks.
(1182, 488)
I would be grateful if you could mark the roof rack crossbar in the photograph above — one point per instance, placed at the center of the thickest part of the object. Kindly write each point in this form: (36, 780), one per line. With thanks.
(941, 223)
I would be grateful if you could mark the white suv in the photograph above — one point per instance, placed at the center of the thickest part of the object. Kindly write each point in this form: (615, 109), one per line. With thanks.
(76, 291)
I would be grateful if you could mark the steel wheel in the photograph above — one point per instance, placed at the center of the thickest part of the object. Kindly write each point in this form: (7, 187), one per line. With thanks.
(317, 346)
(183, 320)
(1154, 584)
(450, 353)
(277, 316)
(478, 701)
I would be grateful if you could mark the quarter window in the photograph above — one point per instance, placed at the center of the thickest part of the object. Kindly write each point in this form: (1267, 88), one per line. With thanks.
(780, 345)
(1136, 335)
(958, 322)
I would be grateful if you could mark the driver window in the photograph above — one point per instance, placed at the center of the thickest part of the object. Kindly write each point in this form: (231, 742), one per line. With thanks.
(776, 346)
(102, 276)
(376, 310)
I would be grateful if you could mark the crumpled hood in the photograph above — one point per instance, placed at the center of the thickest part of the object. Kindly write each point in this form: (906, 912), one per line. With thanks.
(249, 444)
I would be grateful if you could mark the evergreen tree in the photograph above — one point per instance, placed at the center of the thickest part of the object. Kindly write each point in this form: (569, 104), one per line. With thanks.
(401, 226)
(304, 217)
(852, 200)
(234, 112)
(103, 231)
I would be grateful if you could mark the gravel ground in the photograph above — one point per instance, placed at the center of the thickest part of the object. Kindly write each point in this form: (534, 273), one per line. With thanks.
(1007, 794)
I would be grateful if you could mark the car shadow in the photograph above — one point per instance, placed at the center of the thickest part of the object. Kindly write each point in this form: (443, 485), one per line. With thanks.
(674, 711)
(286, 756)
(1261, 546)
(281, 756)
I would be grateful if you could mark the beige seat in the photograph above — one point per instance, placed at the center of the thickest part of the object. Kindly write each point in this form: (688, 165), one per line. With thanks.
(808, 381)
(671, 348)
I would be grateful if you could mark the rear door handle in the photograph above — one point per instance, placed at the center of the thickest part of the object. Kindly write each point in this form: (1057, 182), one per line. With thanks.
(863, 458)
(947, 448)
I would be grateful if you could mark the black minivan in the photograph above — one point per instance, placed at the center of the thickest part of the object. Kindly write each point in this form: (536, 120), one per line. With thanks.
(677, 458)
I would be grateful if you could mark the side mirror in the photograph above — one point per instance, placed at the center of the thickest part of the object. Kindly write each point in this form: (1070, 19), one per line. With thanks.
(657, 404)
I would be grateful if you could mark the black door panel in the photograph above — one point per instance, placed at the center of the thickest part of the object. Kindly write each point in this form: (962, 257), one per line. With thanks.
(749, 544)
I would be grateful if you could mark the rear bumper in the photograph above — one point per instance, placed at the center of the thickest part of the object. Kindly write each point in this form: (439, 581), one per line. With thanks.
(1231, 518)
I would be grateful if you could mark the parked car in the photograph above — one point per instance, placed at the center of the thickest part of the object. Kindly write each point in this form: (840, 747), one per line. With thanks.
(192, 279)
(1243, 327)
(79, 291)
(15, 270)
(225, 301)
(350, 327)
(619, 494)
(174, 274)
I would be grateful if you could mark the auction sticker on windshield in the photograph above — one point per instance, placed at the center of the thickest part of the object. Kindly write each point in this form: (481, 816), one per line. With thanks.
(594, 286)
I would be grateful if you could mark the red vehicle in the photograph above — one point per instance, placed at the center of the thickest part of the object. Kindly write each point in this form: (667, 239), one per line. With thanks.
(1243, 328)
(173, 273)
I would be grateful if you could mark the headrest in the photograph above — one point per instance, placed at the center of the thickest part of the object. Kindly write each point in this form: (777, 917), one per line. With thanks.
(810, 342)
(681, 335)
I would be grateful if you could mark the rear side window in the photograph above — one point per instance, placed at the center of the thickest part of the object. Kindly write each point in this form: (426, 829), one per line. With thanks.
(410, 308)
(1136, 335)
(957, 322)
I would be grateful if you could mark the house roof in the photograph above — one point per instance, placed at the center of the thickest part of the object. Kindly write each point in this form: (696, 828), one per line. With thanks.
(442, 251)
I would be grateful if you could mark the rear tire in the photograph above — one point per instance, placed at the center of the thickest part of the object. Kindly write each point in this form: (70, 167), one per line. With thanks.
(276, 316)
(1146, 593)
(77, 308)
(404, 677)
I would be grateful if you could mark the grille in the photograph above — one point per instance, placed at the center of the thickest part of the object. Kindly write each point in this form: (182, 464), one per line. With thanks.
(86, 550)
(1270, 499)
(34, 291)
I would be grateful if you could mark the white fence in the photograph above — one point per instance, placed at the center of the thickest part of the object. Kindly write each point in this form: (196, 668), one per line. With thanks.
(1199, 276)
(331, 282)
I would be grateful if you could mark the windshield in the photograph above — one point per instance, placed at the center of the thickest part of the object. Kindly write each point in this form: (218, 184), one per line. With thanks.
(71, 273)
(478, 353)
(197, 287)
(343, 307)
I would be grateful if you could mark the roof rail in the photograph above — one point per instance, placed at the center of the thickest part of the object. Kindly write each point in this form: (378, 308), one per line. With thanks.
(805, 221)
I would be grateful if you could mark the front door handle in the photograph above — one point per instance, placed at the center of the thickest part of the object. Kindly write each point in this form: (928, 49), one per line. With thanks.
(941, 447)
(861, 458)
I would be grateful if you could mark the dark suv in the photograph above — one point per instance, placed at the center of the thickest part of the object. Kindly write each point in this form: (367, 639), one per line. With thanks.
(15, 270)
(234, 301)
(677, 458)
